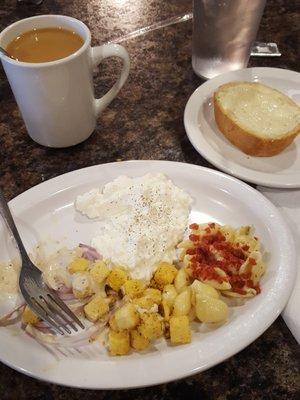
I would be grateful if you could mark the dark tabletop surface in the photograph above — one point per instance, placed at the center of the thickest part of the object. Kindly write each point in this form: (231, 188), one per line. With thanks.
(145, 121)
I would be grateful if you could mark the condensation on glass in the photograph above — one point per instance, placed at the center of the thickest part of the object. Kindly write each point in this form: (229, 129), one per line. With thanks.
(223, 33)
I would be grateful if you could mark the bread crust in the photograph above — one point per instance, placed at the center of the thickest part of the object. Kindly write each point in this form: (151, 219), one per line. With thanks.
(248, 141)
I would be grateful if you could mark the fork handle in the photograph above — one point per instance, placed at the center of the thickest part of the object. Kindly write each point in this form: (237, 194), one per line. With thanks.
(7, 217)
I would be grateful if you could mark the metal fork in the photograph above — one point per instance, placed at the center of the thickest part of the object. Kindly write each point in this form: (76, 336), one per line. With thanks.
(39, 297)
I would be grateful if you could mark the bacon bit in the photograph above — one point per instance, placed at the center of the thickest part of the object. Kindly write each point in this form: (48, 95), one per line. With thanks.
(211, 251)
(213, 238)
(249, 283)
(194, 238)
(237, 281)
(212, 225)
(194, 227)
(257, 288)
(238, 253)
(246, 275)
(205, 272)
(252, 261)
(207, 230)
(256, 238)
(191, 252)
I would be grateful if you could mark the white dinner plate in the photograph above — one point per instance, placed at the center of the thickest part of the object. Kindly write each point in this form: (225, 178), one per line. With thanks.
(46, 214)
(281, 171)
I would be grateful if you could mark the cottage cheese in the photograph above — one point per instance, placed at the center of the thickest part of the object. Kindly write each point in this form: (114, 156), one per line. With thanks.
(141, 221)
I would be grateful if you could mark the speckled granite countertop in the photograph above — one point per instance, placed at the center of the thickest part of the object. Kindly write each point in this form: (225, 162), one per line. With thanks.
(145, 122)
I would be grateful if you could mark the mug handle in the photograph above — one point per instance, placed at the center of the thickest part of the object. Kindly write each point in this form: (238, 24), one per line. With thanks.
(98, 54)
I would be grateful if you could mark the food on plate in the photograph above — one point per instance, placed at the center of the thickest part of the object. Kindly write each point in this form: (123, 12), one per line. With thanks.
(227, 259)
(96, 308)
(29, 317)
(129, 307)
(180, 330)
(118, 342)
(140, 221)
(9, 283)
(213, 261)
(259, 120)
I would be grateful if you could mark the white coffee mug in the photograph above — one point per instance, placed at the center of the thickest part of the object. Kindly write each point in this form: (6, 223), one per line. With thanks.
(56, 98)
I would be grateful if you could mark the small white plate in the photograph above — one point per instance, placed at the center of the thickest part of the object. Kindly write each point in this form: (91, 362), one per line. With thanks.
(281, 171)
(46, 213)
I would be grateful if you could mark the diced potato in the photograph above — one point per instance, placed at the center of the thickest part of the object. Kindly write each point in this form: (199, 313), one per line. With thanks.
(79, 264)
(82, 285)
(126, 317)
(151, 326)
(192, 314)
(153, 294)
(112, 323)
(29, 317)
(99, 271)
(180, 331)
(138, 341)
(210, 309)
(166, 310)
(169, 295)
(181, 280)
(116, 278)
(118, 343)
(144, 302)
(134, 288)
(96, 308)
(182, 304)
(165, 274)
(203, 290)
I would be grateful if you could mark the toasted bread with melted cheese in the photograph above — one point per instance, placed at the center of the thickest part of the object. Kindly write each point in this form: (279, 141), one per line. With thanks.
(259, 120)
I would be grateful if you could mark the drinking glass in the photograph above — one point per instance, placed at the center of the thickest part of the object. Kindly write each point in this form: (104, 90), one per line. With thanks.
(223, 33)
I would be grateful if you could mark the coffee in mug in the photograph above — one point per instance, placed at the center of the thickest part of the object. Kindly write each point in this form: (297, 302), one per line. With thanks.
(56, 96)
(45, 44)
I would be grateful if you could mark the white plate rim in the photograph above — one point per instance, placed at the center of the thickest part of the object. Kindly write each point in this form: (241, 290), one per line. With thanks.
(58, 183)
(213, 156)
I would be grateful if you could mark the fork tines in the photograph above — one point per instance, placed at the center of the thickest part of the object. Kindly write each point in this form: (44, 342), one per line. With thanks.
(49, 307)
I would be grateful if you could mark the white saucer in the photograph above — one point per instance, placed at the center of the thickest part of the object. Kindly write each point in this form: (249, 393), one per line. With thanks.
(281, 171)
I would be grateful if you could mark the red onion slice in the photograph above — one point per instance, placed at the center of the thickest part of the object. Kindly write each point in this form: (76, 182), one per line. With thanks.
(89, 252)
(63, 289)
(75, 340)
(13, 316)
(65, 296)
